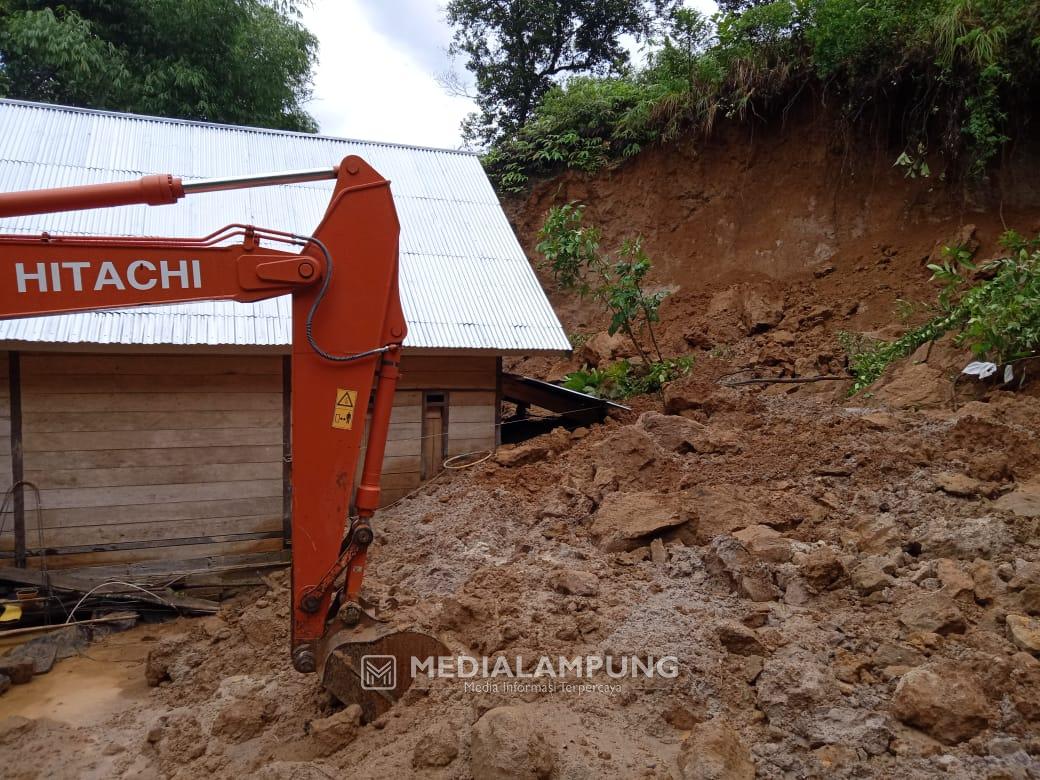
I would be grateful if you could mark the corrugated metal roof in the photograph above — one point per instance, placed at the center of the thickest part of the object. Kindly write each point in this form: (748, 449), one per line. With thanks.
(465, 282)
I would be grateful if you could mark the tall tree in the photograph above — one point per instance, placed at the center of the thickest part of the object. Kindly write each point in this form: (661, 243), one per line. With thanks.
(236, 61)
(516, 49)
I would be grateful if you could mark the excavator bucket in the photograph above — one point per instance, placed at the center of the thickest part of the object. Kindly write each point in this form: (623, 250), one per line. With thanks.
(371, 663)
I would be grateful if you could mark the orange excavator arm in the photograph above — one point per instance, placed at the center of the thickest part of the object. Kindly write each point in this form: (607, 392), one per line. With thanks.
(348, 327)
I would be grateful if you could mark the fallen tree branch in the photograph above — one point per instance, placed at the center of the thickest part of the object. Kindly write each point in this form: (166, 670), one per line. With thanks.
(790, 380)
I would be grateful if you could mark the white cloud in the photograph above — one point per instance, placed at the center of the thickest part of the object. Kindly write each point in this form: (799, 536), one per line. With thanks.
(377, 72)
(374, 87)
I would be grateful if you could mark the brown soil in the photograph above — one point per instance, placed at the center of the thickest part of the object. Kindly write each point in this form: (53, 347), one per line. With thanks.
(834, 576)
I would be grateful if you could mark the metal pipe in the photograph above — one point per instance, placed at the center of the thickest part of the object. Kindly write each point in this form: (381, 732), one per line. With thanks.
(260, 180)
(151, 190)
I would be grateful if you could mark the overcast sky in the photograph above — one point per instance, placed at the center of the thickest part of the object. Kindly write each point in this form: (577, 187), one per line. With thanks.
(377, 72)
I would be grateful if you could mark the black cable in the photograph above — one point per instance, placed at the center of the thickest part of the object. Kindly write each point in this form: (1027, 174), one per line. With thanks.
(317, 302)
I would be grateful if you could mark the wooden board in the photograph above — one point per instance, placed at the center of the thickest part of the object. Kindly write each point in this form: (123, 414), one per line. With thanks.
(185, 451)
(148, 452)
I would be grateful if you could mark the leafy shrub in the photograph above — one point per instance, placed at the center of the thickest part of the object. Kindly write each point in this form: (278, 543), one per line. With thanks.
(623, 379)
(573, 256)
(998, 318)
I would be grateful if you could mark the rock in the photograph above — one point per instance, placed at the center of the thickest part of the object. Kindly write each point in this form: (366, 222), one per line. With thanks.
(520, 454)
(627, 452)
(913, 386)
(894, 654)
(508, 743)
(684, 717)
(1024, 632)
(728, 558)
(603, 348)
(876, 535)
(765, 543)
(623, 520)
(956, 583)
(658, 553)
(5, 684)
(17, 671)
(1026, 574)
(868, 578)
(1024, 501)
(335, 732)
(178, 738)
(754, 309)
(714, 751)
(985, 581)
(957, 484)
(1029, 599)
(242, 720)
(934, 613)
(714, 439)
(740, 640)
(822, 568)
(437, 747)
(793, 684)
(574, 582)
(963, 538)
(945, 700)
(670, 431)
(721, 509)
(862, 729)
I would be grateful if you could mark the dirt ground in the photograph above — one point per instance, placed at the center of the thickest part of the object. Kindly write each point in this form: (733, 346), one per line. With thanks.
(850, 587)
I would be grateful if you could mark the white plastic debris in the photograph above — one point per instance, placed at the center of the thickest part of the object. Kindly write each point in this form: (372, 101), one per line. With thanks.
(981, 369)
(1009, 373)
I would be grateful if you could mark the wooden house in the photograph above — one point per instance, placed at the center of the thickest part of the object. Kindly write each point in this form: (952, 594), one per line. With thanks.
(162, 432)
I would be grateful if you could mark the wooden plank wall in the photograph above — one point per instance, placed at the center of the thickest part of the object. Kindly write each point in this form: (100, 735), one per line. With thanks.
(143, 457)
(469, 384)
(153, 456)
(6, 520)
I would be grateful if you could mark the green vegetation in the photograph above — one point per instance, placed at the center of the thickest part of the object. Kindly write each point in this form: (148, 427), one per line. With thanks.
(515, 49)
(998, 317)
(623, 379)
(573, 256)
(238, 61)
(955, 75)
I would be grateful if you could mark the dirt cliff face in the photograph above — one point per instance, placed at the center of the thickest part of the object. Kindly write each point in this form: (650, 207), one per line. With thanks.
(794, 206)
(781, 201)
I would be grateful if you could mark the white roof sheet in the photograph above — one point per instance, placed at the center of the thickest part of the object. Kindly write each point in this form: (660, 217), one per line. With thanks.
(465, 281)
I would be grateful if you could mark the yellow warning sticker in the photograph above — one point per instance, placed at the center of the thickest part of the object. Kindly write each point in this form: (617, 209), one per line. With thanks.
(343, 415)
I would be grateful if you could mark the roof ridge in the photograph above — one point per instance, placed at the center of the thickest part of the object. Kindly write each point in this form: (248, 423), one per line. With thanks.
(58, 107)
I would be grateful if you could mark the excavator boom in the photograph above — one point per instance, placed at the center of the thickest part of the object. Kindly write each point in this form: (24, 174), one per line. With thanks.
(348, 328)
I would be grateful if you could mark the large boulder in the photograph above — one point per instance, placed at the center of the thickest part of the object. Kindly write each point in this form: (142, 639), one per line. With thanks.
(509, 743)
(913, 386)
(335, 732)
(624, 521)
(752, 309)
(722, 509)
(714, 751)
(603, 348)
(934, 613)
(437, 747)
(1024, 633)
(945, 700)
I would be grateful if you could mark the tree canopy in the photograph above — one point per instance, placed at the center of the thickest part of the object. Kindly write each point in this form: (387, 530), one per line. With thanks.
(236, 61)
(517, 49)
(948, 81)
